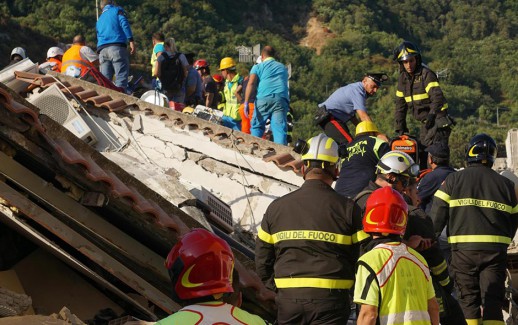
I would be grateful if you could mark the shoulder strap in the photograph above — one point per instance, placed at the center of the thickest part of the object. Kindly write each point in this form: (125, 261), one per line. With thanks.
(361, 194)
(370, 278)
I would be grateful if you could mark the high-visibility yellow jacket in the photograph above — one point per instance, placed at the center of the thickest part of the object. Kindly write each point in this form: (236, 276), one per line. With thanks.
(231, 103)
(210, 313)
(396, 279)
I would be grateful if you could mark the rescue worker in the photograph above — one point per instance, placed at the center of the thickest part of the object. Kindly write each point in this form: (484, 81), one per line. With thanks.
(479, 208)
(346, 104)
(79, 58)
(232, 91)
(200, 266)
(54, 57)
(17, 54)
(439, 161)
(219, 98)
(419, 92)
(394, 169)
(393, 283)
(360, 159)
(210, 88)
(308, 243)
(419, 235)
(157, 39)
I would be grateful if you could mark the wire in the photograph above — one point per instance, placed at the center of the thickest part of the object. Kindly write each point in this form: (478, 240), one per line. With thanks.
(253, 226)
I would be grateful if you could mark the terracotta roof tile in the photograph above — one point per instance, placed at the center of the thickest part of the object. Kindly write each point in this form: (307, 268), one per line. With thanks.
(71, 156)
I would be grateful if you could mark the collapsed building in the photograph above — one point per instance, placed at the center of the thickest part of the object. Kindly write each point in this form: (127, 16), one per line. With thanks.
(97, 186)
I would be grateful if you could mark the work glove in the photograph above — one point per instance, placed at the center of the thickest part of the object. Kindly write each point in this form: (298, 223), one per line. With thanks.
(430, 121)
(246, 109)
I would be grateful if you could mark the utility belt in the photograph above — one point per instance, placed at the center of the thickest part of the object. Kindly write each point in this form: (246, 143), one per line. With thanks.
(322, 116)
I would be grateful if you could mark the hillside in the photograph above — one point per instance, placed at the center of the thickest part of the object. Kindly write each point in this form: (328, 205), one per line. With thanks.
(329, 44)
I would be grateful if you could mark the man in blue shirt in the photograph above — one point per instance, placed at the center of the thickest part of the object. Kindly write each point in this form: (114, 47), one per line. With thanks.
(344, 104)
(270, 79)
(113, 35)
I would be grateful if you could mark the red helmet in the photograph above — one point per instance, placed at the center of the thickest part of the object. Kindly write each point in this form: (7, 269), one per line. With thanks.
(201, 64)
(218, 78)
(385, 212)
(200, 265)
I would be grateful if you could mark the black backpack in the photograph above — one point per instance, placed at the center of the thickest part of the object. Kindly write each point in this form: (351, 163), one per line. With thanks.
(171, 72)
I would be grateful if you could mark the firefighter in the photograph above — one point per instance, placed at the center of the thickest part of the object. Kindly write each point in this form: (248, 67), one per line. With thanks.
(394, 169)
(393, 283)
(419, 92)
(479, 208)
(419, 235)
(360, 159)
(201, 267)
(307, 243)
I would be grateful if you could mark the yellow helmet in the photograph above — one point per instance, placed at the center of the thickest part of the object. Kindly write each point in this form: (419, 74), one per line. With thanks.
(365, 127)
(227, 63)
(323, 148)
(188, 110)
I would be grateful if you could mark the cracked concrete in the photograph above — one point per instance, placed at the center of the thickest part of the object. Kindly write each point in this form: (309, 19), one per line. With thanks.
(173, 161)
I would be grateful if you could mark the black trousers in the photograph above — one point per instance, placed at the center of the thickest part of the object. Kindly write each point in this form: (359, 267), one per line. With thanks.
(480, 280)
(427, 137)
(321, 307)
(337, 130)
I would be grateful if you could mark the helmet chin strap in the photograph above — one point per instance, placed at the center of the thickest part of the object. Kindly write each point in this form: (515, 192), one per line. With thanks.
(388, 180)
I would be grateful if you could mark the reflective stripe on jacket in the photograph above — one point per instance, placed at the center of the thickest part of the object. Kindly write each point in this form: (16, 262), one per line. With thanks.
(398, 282)
(480, 208)
(73, 57)
(210, 313)
(313, 223)
(421, 94)
(231, 103)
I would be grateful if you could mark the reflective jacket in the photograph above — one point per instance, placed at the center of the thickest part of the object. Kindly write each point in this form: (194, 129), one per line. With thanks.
(421, 94)
(308, 239)
(231, 103)
(396, 279)
(73, 57)
(211, 313)
(480, 208)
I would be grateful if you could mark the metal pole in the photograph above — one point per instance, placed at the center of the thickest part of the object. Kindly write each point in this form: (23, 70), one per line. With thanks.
(97, 8)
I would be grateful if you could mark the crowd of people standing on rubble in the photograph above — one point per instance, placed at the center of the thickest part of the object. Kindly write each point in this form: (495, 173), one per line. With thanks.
(405, 248)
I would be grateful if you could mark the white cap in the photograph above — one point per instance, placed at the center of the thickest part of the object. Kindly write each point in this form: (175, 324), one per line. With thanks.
(54, 51)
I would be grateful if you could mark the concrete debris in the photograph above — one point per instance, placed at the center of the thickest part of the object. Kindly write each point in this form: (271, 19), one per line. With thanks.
(66, 315)
(12, 303)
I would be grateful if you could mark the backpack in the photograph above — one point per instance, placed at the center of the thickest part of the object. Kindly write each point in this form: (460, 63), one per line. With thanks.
(171, 73)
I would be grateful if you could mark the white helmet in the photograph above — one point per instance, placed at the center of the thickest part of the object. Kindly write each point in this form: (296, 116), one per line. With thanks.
(20, 51)
(323, 148)
(397, 162)
(54, 51)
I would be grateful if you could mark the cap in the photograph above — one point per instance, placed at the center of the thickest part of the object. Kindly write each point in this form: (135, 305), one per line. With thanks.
(439, 150)
(377, 77)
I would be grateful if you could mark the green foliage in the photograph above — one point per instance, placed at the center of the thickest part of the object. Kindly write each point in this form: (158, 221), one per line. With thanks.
(472, 44)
